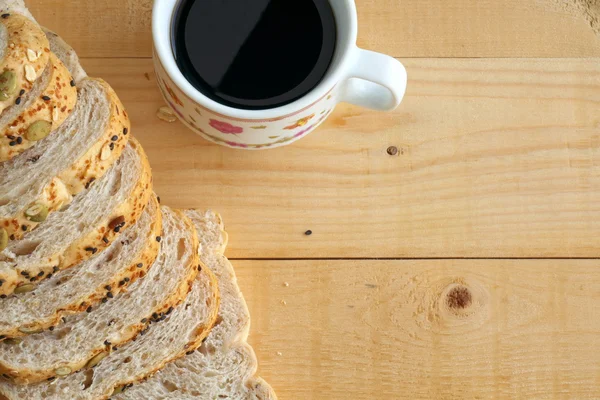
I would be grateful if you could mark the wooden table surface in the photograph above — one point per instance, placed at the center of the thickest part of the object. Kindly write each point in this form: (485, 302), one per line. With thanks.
(464, 267)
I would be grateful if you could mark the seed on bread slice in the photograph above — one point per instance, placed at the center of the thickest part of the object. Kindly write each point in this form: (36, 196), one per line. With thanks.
(24, 54)
(45, 178)
(86, 227)
(74, 290)
(40, 112)
(118, 320)
(225, 365)
(183, 330)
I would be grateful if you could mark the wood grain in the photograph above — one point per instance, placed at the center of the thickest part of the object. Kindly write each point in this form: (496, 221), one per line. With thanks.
(410, 28)
(366, 330)
(497, 158)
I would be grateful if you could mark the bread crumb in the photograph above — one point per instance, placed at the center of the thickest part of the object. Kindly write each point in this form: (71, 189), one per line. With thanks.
(166, 114)
(286, 284)
(279, 353)
(283, 302)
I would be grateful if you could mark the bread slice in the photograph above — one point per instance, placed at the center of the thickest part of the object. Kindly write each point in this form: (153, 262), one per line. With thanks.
(205, 376)
(47, 105)
(75, 289)
(84, 336)
(181, 331)
(66, 54)
(24, 54)
(46, 177)
(224, 366)
(85, 227)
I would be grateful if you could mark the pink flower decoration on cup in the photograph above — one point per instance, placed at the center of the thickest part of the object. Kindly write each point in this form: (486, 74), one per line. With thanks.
(302, 132)
(225, 127)
(233, 144)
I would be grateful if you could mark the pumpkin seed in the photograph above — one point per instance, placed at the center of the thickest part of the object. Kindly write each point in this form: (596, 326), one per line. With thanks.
(96, 359)
(62, 371)
(166, 114)
(38, 130)
(3, 239)
(29, 331)
(8, 84)
(13, 341)
(28, 287)
(37, 213)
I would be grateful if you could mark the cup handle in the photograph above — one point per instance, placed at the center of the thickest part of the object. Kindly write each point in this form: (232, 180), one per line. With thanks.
(375, 81)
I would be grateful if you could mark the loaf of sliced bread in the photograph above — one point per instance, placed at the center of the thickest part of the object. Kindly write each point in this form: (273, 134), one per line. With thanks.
(85, 227)
(181, 331)
(224, 366)
(85, 285)
(87, 336)
(46, 177)
(39, 112)
(24, 54)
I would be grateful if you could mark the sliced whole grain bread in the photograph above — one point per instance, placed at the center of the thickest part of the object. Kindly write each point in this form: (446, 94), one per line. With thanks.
(84, 285)
(85, 227)
(39, 112)
(24, 54)
(45, 178)
(183, 330)
(92, 333)
(225, 365)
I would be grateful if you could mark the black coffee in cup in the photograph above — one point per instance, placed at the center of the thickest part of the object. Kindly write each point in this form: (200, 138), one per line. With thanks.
(254, 54)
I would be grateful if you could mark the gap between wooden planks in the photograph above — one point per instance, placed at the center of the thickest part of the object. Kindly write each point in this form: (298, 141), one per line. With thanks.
(451, 329)
(401, 28)
(497, 158)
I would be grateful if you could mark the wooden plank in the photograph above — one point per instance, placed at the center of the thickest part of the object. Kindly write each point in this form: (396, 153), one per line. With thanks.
(408, 28)
(497, 158)
(365, 330)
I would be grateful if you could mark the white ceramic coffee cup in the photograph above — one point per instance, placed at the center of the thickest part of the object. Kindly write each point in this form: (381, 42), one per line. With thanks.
(356, 76)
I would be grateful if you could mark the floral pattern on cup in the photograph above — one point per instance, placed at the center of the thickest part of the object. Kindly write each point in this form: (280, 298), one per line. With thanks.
(300, 122)
(243, 133)
(173, 95)
(225, 127)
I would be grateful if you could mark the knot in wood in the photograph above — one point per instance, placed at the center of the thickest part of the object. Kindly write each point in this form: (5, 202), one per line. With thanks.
(459, 298)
